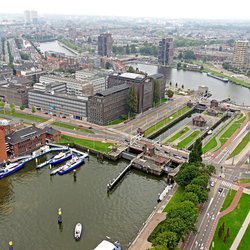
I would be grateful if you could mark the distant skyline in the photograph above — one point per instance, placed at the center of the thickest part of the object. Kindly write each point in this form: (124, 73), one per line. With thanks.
(193, 9)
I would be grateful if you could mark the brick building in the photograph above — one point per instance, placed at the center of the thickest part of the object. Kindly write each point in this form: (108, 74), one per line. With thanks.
(26, 140)
(3, 152)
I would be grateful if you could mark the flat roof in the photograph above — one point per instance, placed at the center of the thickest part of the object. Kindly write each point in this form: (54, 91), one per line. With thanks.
(132, 75)
(112, 90)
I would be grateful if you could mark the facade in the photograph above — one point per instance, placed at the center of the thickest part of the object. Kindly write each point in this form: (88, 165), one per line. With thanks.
(3, 152)
(25, 141)
(96, 79)
(55, 86)
(59, 104)
(16, 94)
(30, 16)
(144, 86)
(241, 53)
(105, 44)
(166, 51)
(108, 105)
(73, 86)
(199, 121)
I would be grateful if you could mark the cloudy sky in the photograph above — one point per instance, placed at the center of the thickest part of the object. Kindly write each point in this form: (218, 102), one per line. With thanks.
(211, 9)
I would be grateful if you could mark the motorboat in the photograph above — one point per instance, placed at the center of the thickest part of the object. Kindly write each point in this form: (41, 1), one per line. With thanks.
(61, 157)
(72, 164)
(43, 164)
(11, 168)
(78, 231)
(107, 245)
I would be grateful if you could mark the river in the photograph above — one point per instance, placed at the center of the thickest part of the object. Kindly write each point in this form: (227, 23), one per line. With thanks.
(56, 47)
(191, 80)
(30, 198)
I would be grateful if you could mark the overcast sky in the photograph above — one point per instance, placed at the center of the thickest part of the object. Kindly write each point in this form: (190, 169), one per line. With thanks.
(211, 9)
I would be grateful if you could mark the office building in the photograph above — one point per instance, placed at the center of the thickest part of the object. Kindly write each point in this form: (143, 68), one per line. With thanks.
(241, 53)
(30, 16)
(59, 104)
(105, 44)
(166, 52)
(108, 105)
(144, 87)
(73, 86)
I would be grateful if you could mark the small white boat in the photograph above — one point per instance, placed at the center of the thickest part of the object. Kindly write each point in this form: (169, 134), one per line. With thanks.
(106, 245)
(78, 231)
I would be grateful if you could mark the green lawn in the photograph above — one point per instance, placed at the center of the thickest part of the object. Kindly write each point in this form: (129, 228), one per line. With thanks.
(210, 145)
(72, 127)
(178, 134)
(230, 131)
(244, 180)
(244, 244)
(188, 139)
(241, 145)
(228, 200)
(24, 116)
(175, 200)
(165, 121)
(103, 147)
(233, 221)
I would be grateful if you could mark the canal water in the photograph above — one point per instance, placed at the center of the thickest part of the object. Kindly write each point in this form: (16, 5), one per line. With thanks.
(30, 198)
(54, 46)
(191, 80)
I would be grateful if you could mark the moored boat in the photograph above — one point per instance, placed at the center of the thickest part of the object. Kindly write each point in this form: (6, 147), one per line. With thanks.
(78, 231)
(69, 166)
(11, 168)
(61, 157)
(106, 245)
(218, 77)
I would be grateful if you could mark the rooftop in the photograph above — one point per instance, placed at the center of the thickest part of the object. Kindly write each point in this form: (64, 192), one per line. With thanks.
(112, 90)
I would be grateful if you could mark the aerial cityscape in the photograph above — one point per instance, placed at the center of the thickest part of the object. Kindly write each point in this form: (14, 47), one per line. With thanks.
(124, 127)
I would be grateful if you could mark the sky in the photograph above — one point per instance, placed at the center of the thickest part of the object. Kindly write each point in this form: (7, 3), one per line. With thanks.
(194, 9)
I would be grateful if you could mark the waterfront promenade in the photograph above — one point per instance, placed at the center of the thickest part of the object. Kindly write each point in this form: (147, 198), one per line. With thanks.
(157, 216)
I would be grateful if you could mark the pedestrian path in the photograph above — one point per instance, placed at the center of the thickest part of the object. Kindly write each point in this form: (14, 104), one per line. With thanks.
(240, 234)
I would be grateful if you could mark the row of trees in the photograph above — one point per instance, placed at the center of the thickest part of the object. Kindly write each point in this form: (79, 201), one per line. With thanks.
(13, 107)
(193, 177)
(11, 59)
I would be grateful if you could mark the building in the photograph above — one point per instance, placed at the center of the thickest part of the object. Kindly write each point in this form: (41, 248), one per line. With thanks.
(214, 104)
(241, 53)
(3, 152)
(13, 93)
(52, 134)
(144, 87)
(96, 78)
(73, 86)
(54, 86)
(108, 105)
(166, 51)
(59, 104)
(105, 44)
(199, 121)
(30, 16)
(25, 141)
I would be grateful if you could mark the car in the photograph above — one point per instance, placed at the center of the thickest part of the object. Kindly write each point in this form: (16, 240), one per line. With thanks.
(90, 127)
(220, 190)
(212, 183)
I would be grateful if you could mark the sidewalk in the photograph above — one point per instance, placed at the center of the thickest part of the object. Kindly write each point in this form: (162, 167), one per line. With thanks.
(240, 234)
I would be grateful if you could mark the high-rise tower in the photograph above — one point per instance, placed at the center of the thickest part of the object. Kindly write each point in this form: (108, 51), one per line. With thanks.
(105, 44)
(166, 51)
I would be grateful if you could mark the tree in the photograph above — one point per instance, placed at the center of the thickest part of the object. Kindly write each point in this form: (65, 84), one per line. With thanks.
(176, 85)
(167, 239)
(210, 169)
(2, 104)
(159, 248)
(21, 107)
(196, 152)
(201, 181)
(132, 99)
(187, 174)
(133, 49)
(156, 94)
(199, 191)
(178, 226)
(131, 69)
(108, 65)
(187, 211)
(33, 109)
(227, 232)
(179, 65)
(180, 56)
(189, 55)
(182, 86)
(127, 50)
(170, 93)
(170, 83)
(190, 196)
(12, 108)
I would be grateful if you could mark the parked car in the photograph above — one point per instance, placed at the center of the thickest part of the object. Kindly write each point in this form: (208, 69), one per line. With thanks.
(212, 183)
